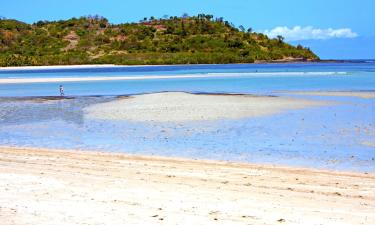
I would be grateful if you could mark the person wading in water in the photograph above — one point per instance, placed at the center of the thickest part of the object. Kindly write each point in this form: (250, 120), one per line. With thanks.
(61, 90)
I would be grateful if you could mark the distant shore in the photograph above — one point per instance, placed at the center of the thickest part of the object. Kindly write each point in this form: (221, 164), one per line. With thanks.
(41, 186)
(90, 66)
(152, 77)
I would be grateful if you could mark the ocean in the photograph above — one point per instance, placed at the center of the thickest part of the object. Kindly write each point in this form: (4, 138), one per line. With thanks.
(340, 136)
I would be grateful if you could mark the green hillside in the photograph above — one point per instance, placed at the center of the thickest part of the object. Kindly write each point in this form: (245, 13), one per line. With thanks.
(175, 40)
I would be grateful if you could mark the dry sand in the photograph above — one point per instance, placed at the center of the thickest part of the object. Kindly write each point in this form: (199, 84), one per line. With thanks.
(48, 187)
(358, 94)
(179, 106)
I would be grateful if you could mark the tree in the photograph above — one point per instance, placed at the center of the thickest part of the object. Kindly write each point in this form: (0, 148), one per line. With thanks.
(40, 23)
(220, 20)
(194, 39)
(209, 17)
(250, 30)
(280, 38)
(183, 29)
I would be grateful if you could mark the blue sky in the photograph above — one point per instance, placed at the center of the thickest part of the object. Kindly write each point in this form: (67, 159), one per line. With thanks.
(333, 28)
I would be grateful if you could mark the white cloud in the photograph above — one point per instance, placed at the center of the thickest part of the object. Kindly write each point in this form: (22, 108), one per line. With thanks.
(310, 33)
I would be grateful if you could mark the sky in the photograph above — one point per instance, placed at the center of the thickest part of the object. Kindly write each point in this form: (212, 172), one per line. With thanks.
(334, 29)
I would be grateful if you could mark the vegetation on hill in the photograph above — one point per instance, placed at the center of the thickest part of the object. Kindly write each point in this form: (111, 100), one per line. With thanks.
(174, 40)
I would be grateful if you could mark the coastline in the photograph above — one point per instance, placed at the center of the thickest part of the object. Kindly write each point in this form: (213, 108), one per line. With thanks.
(45, 186)
(91, 66)
(87, 66)
(152, 77)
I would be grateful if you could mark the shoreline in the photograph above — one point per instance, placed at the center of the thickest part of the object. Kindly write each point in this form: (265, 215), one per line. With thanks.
(182, 160)
(45, 186)
(52, 67)
(91, 66)
(153, 77)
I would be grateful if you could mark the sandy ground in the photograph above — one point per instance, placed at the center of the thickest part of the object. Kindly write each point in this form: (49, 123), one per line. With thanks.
(179, 106)
(358, 94)
(48, 187)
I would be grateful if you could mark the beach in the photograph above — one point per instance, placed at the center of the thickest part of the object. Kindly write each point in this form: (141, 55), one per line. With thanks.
(233, 144)
(12, 68)
(149, 113)
(40, 186)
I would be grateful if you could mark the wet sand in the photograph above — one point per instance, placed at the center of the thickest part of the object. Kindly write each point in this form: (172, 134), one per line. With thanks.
(180, 106)
(70, 187)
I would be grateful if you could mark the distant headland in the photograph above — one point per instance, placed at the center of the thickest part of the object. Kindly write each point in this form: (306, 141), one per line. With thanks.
(200, 39)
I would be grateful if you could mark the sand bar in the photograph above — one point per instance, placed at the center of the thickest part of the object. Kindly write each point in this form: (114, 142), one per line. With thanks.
(179, 106)
(48, 187)
(357, 94)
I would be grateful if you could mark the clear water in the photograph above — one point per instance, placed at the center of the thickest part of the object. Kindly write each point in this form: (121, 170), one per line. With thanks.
(329, 137)
(358, 76)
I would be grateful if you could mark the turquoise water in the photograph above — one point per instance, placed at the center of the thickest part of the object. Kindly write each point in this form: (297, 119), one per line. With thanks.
(330, 137)
(358, 76)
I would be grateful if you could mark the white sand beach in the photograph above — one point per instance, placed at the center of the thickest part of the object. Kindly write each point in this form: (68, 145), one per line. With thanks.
(52, 187)
(11, 68)
(179, 106)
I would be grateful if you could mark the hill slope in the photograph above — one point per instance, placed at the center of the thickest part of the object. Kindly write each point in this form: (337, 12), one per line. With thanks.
(176, 40)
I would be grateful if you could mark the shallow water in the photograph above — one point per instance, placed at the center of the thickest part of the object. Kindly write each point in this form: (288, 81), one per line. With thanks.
(332, 137)
(315, 76)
